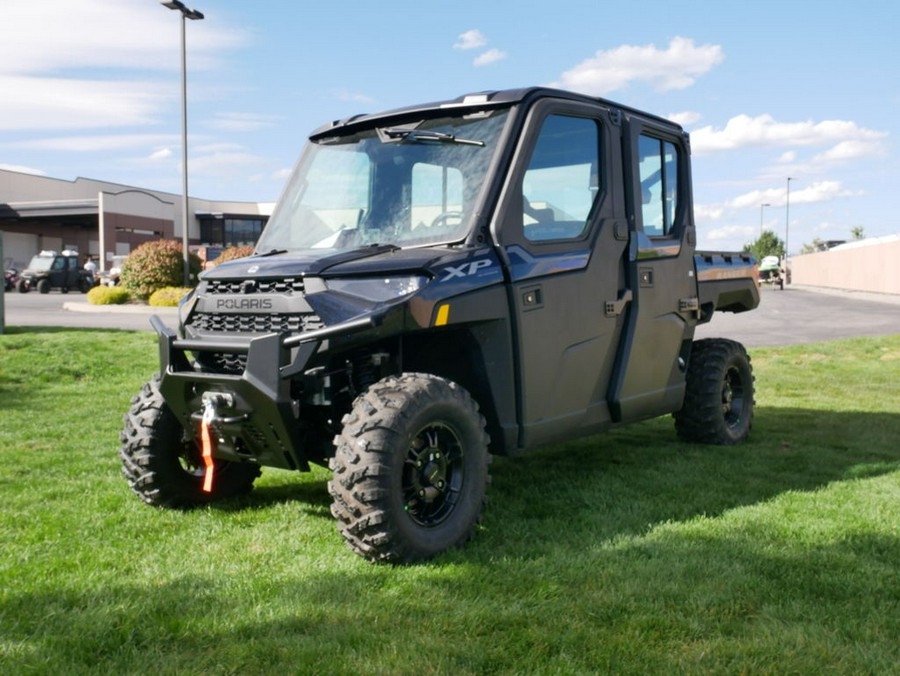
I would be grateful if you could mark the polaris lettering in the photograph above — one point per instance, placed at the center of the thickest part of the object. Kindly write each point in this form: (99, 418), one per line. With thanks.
(244, 304)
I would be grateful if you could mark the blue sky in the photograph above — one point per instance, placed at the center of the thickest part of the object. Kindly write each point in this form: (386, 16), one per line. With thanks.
(767, 89)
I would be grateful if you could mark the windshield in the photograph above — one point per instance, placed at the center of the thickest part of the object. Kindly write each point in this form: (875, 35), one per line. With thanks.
(41, 263)
(405, 184)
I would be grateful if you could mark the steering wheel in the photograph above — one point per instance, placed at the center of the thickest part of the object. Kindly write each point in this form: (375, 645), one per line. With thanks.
(441, 219)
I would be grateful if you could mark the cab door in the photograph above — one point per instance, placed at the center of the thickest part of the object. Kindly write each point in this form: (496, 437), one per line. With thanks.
(649, 378)
(564, 239)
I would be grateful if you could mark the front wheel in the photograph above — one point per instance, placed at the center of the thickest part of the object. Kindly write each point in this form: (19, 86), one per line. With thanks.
(410, 469)
(164, 466)
(718, 401)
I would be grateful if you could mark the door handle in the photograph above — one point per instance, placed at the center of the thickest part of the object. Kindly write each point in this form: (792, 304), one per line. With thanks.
(615, 307)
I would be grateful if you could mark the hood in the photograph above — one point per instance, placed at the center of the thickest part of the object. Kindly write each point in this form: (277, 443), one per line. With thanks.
(365, 261)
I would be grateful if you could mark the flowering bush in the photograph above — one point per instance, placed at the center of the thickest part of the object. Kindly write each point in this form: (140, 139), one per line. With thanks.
(231, 253)
(154, 265)
(168, 296)
(107, 295)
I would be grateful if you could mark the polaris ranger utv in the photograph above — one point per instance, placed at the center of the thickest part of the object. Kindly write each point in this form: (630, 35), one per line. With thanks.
(49, 269)
(439, 283)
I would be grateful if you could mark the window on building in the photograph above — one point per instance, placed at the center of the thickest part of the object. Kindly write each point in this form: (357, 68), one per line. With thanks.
(230, 231)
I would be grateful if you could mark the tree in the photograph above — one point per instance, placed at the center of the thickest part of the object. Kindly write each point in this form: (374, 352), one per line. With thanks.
(767, 244)
(816, 245)
(857, 232)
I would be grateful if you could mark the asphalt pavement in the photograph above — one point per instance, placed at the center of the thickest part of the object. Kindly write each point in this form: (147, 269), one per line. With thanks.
(795, 315)
(71, 310)
(806, 315)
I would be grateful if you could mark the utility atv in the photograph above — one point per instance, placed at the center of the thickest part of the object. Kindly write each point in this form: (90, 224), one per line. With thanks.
(439, 283)
(51, 270)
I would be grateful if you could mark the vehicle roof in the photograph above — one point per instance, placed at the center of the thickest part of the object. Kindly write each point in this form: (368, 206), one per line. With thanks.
(480, 101)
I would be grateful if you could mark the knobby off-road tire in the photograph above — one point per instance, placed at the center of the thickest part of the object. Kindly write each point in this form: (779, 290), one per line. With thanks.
(410, 471)
(718, 402)
(43, 286)
(164, 467)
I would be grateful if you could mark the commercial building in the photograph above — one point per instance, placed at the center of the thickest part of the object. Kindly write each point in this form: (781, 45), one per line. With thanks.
(103, 219)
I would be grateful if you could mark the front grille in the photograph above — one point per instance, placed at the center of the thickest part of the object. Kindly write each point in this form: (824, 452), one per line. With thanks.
(282, 286)
(255, 323)
(290, 315)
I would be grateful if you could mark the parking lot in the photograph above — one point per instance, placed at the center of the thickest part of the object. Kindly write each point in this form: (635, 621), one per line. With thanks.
(72, 310)
(795, 315)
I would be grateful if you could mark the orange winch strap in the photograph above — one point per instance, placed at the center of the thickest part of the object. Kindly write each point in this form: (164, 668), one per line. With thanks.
(206, 440)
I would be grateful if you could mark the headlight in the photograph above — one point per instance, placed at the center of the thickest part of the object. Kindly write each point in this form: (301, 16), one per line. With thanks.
(377, 289)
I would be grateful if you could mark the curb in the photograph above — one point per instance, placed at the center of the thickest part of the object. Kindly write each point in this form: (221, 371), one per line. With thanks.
(121, 309)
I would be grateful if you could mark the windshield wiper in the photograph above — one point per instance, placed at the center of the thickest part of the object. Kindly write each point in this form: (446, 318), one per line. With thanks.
(409, 135)
(272, 252)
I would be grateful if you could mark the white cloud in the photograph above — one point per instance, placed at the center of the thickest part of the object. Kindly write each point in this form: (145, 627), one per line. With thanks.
(490, 56)
(676, 67)
(161, 154)
(58, 103)
(744, 131)
(49, 35)
(729, 232)
(686, 118)
(789, 156)
(850, 150)
(97, 41)
(814, 193)
(472, 39)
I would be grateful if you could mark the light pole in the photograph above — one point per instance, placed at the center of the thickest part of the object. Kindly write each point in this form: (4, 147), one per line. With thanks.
(787, 222)
(193, 15)
(761, 207)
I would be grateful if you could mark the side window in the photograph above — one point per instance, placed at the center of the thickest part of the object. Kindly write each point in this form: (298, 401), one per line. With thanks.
(659, 185)
(562, 181)
(437, 196)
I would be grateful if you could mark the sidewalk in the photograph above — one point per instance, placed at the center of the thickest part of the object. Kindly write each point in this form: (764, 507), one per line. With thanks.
(126, 308)
(891, 298)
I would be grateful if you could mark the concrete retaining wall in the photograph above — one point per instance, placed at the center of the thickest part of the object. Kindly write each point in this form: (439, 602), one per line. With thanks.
(864, 266)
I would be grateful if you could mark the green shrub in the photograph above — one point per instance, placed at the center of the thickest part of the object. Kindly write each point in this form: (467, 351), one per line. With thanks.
(168, 296)
(107, 295)
(155, 265)
(231, 253)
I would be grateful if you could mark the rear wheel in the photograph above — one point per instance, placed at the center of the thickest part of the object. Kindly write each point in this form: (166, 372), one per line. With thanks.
(410, 469)
(164, 466)
(718, 401)
(43, 286)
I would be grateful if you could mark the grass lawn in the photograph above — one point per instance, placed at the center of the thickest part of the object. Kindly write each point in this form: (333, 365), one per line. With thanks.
(628, 552)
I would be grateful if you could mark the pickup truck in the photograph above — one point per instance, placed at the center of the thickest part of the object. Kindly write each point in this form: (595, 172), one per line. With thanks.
(439, 284)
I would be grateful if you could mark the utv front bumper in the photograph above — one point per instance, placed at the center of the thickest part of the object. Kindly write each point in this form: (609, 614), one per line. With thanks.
(261, 421)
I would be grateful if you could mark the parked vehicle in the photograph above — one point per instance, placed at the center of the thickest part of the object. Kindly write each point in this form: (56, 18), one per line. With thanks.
(51, 270)
(10, 277)
(770, 272)
(111, 277)
(438, 284)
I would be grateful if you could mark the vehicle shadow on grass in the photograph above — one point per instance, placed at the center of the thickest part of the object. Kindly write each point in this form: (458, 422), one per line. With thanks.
(624, 482)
